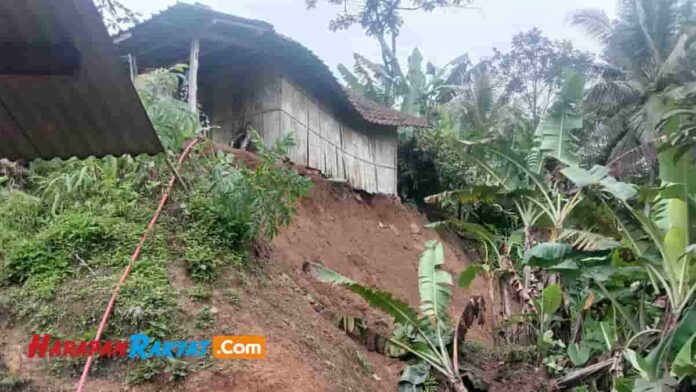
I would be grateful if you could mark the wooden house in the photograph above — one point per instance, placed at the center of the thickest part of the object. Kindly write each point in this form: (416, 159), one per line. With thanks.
(243, 73)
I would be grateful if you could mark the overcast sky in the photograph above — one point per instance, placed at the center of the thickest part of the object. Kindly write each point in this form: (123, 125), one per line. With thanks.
(441, 35)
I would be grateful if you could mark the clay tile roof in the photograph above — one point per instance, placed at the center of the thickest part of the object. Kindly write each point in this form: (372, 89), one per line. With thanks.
(380, 114)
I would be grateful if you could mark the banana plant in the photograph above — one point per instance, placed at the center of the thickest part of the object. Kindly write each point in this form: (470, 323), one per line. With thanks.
(432, 335)
(669, 225)
(555, 134)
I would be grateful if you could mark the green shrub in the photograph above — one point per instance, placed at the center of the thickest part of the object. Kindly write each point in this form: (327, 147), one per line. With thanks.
(240, 206)
(144, 371)
(202, 262)
(50, 251)
(205, 318)
(147, 300)
(19, 212)
(107, 185)
(43, 287)
(32, 257)
(79, 232)
(200, 293)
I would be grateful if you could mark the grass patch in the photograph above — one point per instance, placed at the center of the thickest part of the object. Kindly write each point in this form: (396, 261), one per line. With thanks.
(67, 237)
(232, 296)
(205, 318)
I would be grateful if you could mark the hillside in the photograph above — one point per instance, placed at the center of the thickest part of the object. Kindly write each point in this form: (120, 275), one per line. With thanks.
(373, 239)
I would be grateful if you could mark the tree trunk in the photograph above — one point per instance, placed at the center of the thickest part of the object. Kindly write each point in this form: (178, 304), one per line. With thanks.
(491, 294)
(506, 312)
(458, 385)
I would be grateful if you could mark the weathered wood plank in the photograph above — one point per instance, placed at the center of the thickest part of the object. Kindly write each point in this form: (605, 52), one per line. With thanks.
(193, 76)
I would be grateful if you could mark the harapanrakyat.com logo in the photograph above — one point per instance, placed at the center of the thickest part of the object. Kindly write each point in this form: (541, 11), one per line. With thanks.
(141, 346)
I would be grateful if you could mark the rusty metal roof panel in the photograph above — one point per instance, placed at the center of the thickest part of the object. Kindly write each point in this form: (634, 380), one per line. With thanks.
(93, 111)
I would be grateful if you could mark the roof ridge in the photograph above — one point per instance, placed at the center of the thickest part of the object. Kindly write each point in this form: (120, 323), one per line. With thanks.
(321, 74)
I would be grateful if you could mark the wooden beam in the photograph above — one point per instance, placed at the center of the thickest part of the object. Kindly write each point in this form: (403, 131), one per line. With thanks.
(39, 60)
(133, 67)
(193, 75)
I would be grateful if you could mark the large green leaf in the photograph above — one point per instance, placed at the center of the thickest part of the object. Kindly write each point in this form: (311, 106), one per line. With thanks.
(435, 285)
(382, 300)
(684, 331)
(551, 299)
(547, 254)
(413, 377)
(470, 272)
(578, 354)
(327, 275)
(567, 268)
(351, 80)
(678, 175)
(638, 363)
(684, 364)
(588, 241)
(599, 176)
(667, 384)
(556, 132)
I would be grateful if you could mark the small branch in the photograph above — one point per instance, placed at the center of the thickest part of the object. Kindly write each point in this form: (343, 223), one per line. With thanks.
(576, 377)
(176, 173)
(84, 263)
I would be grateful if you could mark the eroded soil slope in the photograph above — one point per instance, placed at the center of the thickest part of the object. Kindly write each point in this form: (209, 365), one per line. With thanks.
(374, 240)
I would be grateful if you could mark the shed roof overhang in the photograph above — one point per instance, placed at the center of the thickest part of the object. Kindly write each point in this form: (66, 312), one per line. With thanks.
(63, 89)
(165, 40)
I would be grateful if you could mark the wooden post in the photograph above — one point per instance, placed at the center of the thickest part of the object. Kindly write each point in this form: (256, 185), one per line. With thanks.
(193, 76)
(133, 65)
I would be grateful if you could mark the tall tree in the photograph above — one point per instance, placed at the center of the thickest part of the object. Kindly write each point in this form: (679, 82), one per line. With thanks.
(382, 19)
(533, 69)
(371, 80)
(647, 48)
(115, 15)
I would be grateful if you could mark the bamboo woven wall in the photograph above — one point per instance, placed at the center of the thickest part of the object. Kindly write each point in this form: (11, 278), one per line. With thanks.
(275, 106)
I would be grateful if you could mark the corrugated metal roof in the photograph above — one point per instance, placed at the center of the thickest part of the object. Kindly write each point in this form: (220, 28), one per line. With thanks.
(95, 112)
(182, 22)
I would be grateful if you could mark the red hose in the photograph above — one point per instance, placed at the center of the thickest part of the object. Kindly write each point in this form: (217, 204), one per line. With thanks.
(134, 257)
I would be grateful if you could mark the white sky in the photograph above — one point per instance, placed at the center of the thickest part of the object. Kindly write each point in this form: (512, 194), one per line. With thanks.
(441, 35)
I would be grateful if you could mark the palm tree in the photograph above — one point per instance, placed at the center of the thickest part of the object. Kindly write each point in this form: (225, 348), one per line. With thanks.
(646, 50)
(479, 105)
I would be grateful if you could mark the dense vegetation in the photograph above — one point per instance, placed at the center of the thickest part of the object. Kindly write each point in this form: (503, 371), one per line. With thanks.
(68, 228)
(576, 175)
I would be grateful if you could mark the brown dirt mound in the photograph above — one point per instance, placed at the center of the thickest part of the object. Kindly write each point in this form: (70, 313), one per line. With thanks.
(375, 240)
